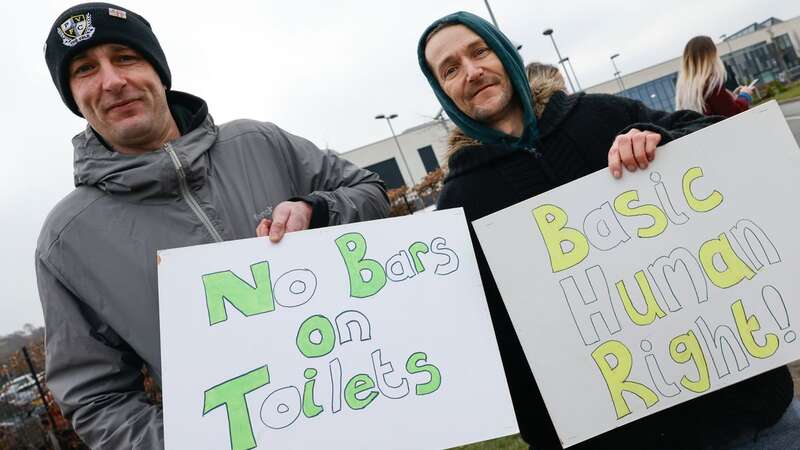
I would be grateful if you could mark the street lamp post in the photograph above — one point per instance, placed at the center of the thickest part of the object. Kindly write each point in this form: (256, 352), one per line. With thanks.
(549, 32)
(397, 142)
(575, 77)
(491, 14)
(494, 21)
(616, 71)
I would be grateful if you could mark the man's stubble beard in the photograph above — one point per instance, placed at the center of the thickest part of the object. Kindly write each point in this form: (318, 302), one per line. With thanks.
(143, 131)
(490, 115)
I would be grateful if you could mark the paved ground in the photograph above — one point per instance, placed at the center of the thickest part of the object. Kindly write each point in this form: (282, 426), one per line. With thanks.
(791, 111)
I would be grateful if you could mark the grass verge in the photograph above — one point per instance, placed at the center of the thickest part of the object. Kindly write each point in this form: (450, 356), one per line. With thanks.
(789, 94)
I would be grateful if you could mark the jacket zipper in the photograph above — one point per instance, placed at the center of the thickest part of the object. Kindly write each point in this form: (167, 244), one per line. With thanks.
(536, 154)
(187, 194)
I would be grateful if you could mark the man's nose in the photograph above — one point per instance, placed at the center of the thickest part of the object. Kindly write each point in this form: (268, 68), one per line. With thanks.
(112, 78)
(474, 71)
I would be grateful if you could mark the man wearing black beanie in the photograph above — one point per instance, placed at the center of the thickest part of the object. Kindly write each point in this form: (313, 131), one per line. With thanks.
(153, 171)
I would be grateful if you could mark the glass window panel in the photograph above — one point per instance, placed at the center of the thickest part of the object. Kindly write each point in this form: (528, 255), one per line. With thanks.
(428, 158)
(389, 172)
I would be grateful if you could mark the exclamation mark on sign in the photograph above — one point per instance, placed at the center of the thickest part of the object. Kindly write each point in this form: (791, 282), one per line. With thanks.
(776, 306)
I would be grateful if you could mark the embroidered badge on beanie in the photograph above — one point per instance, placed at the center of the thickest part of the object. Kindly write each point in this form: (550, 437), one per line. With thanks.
(76, 29)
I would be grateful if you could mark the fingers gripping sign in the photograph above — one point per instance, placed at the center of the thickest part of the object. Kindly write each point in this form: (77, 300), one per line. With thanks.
(634, 149)
(263, 227)
(287, 217)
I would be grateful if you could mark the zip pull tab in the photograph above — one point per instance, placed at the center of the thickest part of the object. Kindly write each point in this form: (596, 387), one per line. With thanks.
(536, 154)
(187, 194)
(548, 170)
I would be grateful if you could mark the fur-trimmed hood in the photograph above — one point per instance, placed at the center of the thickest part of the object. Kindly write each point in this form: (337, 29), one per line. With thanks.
(542, 92)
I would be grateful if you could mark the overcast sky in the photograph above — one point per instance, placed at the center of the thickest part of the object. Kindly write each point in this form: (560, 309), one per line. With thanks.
(319, 69)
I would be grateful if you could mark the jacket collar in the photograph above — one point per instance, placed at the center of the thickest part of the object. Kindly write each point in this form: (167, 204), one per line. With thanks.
(473, 156)
(150, 176)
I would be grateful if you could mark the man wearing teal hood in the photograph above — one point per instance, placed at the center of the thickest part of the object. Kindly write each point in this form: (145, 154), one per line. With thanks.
(511, 144)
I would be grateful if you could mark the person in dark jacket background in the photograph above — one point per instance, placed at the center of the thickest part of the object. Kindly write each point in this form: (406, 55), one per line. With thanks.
(504, 152)
(153, 171)
(702, 79)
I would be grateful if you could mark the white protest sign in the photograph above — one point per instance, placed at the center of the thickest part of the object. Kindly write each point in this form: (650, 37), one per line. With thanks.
(630, 296)
(369, 335)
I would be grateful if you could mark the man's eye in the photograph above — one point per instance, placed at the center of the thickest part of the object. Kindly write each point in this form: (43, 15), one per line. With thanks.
(83, 68)
(449, 72)
(127, 58)
(482, 51)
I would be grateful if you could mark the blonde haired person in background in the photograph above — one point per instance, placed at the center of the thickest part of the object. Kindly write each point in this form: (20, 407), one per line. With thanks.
(701, 82)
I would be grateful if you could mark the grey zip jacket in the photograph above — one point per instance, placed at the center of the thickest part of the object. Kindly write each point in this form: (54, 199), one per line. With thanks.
(96, 254)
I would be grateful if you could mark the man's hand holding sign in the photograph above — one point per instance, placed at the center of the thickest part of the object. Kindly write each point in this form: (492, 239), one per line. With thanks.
(633, 149)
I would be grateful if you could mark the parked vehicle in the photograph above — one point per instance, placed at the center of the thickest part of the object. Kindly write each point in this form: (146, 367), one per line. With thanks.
(20, 391)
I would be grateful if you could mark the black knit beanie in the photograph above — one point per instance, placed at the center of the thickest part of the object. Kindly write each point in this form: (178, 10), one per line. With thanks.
(90, 24)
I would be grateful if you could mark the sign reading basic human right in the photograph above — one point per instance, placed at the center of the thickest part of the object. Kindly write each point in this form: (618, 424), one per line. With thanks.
(631, 296)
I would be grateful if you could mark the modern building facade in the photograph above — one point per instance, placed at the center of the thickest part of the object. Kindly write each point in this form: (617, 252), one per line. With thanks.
(765, 51)
(423, 148)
